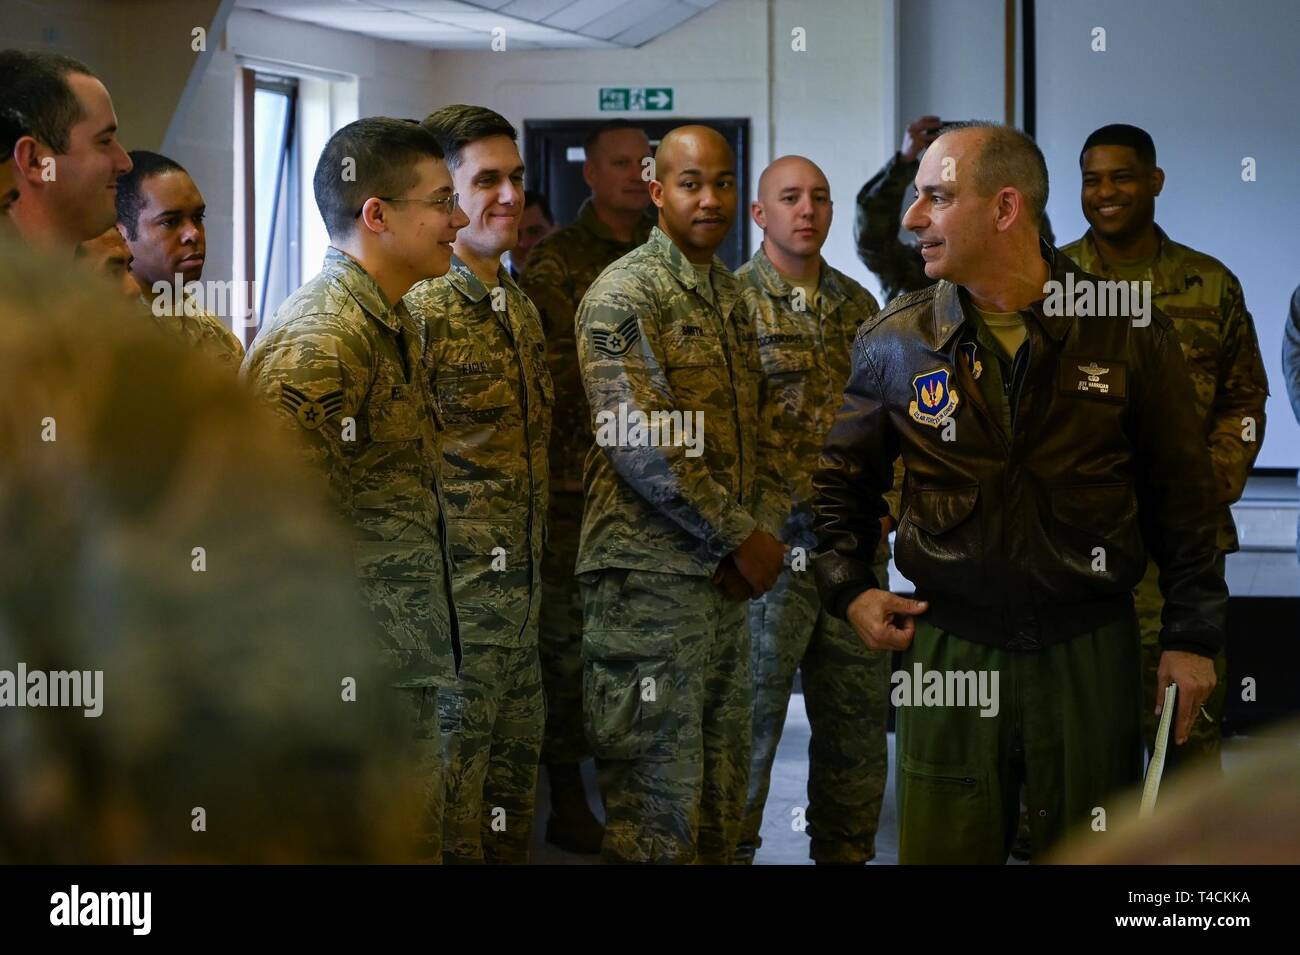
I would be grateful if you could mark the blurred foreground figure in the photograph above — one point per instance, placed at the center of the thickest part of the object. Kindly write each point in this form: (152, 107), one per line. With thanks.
(1250, 816)
(156, 530)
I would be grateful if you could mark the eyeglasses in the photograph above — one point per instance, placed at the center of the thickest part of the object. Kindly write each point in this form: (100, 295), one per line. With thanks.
(446, 205)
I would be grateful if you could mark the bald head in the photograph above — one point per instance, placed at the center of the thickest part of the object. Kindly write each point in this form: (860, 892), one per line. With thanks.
(694, 190)
(687, 146)
(786, 170)
(793, 209)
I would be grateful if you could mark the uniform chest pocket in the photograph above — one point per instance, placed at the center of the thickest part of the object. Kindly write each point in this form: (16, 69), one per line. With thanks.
(786, 359)
(693, 346)
(394, 415)
(477, 398)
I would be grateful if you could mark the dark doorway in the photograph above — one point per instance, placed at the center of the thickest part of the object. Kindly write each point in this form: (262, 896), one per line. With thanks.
(553, 157)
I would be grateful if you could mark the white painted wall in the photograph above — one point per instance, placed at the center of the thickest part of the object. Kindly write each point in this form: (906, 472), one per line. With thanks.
(828, 102)
(379, 77)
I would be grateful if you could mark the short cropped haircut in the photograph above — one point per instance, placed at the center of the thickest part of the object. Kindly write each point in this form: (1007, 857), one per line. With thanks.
(534, 198)
(373, 157)
(1009, 157)
(34, 85)
(593, 138)
(12, 128)
(1122, 134)
(146, 165)
(457, 126)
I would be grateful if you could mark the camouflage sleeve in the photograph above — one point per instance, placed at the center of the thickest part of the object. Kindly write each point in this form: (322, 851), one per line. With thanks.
(315, 375)
(773, 491)
(1291, 354)
(854, 473)
(898, 267)
(622, 362)
(1237, 420)
(548, 285)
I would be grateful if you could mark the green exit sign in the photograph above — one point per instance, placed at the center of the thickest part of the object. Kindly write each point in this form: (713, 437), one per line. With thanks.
(622, 99)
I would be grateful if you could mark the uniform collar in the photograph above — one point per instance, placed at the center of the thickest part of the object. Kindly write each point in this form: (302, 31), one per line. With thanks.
(592, 223)
(829, 286)
(683, 270)
(1168, 269)
(462, 278)
(364, 290)
(949, 316)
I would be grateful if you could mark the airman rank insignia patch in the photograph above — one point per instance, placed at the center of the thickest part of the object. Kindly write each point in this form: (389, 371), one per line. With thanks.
(619, 342)
(310, 412)
(976, 366)
(936, 399)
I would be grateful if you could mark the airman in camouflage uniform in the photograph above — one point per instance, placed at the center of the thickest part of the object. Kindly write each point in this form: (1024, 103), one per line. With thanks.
(1205, 301)
(805, 340)
(486, 358)
(160, 215)
(675, 535)
(342, 363)
(561, 267)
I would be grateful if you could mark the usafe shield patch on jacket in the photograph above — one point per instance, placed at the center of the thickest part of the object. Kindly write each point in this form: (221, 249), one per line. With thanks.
(619, 342)
(936, 399)
(310, 412)
(1093, 377)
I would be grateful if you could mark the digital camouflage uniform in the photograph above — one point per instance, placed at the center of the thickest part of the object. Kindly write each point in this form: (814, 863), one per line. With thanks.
(486, 358)
(561, 268)
(342, 366)
(805, 348)
(203, 331)
(1205, 302)
(666, 681)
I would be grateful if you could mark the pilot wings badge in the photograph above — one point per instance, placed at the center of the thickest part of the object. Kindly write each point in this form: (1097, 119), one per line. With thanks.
(936, 399)
(1093, 382)
(618, 342)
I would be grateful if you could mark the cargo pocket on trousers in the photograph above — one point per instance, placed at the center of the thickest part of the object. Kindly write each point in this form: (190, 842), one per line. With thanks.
(625, 684)
(399, 584)
(945, 802)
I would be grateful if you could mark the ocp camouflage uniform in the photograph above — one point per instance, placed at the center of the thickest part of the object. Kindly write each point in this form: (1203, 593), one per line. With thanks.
(1217, 335)
(486, 358)
(561, 268)
(805, 348)
(666, 682)
(202, 331)
(342, 366)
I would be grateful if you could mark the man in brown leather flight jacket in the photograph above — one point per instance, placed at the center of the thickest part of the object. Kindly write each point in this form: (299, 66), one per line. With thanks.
(1042, 418)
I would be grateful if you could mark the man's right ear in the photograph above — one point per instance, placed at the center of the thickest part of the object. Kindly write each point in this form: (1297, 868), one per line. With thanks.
(372, 215)
(34, 161)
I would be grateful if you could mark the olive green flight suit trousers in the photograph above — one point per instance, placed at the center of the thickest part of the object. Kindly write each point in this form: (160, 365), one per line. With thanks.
(1068, 727)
